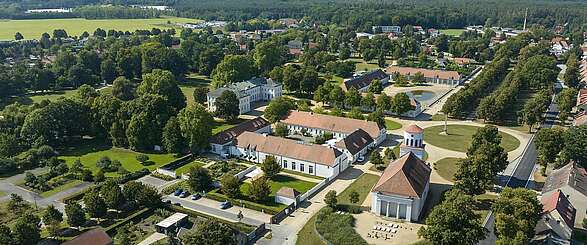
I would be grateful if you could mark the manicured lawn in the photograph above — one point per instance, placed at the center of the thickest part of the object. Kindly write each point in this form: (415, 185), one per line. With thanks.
(452, 32)
(308, 234)
(387, 162)
(3, 194)
(190, 82)
(302, 174)
(392, 125)
(362, 186)
(32, 29)
(447, 167)
(283, 181)
(220, 126)
(460, 136)
(483, 204)
(90, 154)
(60, 188)
(186, 168)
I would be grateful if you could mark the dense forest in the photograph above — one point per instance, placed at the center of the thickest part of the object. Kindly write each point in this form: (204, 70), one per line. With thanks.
(358, 14)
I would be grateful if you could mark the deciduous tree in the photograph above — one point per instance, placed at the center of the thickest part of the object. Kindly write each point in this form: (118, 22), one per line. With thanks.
(270, 167)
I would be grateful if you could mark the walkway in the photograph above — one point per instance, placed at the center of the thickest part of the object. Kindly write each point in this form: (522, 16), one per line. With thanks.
(153, 238)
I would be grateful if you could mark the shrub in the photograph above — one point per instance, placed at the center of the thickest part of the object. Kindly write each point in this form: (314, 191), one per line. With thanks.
(337, 228)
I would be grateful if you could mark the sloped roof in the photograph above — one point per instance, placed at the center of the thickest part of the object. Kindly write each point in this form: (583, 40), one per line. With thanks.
(272, 145)
(355, 141)
(231, 133)
(331, 123)
(287, 192)
(426, 72)
(559, 202)
(415, 129)
(407, 176)
(364, 80)
(92, 237)
(569, 175)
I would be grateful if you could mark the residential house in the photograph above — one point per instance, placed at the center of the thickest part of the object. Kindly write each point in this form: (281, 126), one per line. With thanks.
(450, 78)
(386, 29)
(355, 145)
(92, 237)
(220, 143)
(402, 189)
(318, 160)
(362, 82)
(253, 90)
(171, 224)
(557, 221)
(295, 47)
(572, 181)
(309, 123)
(559, 46)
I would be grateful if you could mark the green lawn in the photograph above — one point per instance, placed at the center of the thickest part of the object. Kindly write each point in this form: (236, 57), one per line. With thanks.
(392, 125)
(89, 154)
(308, 234)
(361, 65)
(3, 194)
(362, 185)
(283, 181)
(302, 174)
(460, 136)
(447, 167)
(32, 29)
(483, 204)
(452, 32)
(396, 153)
(220, 126)
(190, 82)
(61, 188)
(186, 168)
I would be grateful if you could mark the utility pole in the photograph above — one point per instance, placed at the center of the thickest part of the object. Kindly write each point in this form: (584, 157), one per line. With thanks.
(525, 18)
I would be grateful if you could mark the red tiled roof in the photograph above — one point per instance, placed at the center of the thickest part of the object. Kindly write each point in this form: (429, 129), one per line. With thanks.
(92, 237)
(407, 176)
(231, 133)
(582, 96)
(426, 72)
(287, 192)
(559, 202)
(414, 129)
(331, 123)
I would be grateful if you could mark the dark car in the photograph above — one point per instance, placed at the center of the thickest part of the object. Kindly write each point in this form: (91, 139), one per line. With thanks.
(184, 194)
(225, 205)
(178, 192)
(196, 196)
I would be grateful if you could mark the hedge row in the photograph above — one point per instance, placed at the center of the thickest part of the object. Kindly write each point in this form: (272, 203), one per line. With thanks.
(214, 195)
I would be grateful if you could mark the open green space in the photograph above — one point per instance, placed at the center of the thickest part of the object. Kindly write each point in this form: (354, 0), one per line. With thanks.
(66, 186)
(32, 29)
(483, 204)
(190, 82)
(460, 137)
(452, 32)
(308, 234)
(186, 168)
(447, 167)
(392, 125)
(302, 174)
(283, 181)
(220, 126)
(3, 194)
(361, 65)
(90, 153)
(387, 162)
(362, 185)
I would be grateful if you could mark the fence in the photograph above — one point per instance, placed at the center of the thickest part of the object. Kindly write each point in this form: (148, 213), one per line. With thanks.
(242, 174)
(284, 213)
(315, 189)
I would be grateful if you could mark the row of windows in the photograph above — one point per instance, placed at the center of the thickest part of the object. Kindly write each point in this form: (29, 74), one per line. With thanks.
(302, 167)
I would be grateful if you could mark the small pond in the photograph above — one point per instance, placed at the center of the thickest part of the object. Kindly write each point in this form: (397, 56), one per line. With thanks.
(424, 96)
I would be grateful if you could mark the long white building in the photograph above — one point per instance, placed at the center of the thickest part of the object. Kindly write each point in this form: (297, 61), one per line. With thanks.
(253, 90)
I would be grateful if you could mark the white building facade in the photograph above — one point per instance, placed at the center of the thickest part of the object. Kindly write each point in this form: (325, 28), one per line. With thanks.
(413, 141)
(253, 90)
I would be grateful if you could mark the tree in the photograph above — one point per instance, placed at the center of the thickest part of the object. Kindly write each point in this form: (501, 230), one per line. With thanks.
(384, 102)
(354, 197)
(376, 87)
(7, 165)
(418, 78)
(75, 214)
(227, 106)
(270, 167)
(5, 236)
(281, 130)
(52, 218)
(453, 221)
(99, 177)
(17, 204)
(162, 82)
(209, 231)
(260, 189)
(95, 205)
(26, 231)
(200, 179)
(269, 54)
(108, 70)
(566, 100)
(112, 195)
(233, 68)
(352, 98)
(575, 145)
(401, 104)
(201, 94)
(18, 36)
(330, 199)
(485, 135)
(377, 116)
(356, 113)
(375, 159)
(142, 158)
(148, 196)
(122, 237)
(278, 109)
(476, 173)
(230, 186)
(517, 211)
(196, 126)
(572, 73)
(173, 141)
(389, 154)
(368, 102)
(123, 89)
(336, 97)
(549, 143)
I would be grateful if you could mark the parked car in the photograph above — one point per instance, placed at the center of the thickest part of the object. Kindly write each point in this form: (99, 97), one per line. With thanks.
(168, 201)
(196, 196)
(184, 194)
(178, 192)
(361, 158)
(177, 204)
(225, 205)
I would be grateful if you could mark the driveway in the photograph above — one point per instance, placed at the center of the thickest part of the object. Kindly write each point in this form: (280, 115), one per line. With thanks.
(211, 207)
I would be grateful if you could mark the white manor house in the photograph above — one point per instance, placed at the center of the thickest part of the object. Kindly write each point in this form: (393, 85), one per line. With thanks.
(253, 90)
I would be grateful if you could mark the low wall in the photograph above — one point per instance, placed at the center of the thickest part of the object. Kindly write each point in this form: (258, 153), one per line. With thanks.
(315, 189)
(169, 168)
(240, 175)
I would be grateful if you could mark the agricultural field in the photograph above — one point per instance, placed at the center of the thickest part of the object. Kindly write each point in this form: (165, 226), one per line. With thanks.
(452, 32)
(32, 29)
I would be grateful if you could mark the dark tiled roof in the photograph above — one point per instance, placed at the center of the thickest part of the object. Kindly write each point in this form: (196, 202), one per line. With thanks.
(569, 175)
(365, 79)
(355, 141)
(91, 237)
(559, 202)
(406, 176)
(231, 133)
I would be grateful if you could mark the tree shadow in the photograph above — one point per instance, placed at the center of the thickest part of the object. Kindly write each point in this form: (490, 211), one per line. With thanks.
(80, 147)
(435, 196)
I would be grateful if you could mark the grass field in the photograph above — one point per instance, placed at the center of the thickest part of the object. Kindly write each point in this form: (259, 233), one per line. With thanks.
(89, 154)
(221, 126)
(452, 32)
(186, 168)
(460, 136)
(32, 29)
(447, 167)
(362, 186)
(283, 181)
(190, 82)
(60, 188)
(392, 125)
(308, 234)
